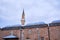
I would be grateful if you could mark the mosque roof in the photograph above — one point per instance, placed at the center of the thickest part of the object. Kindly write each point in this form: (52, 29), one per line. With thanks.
(56, 21)
(38, 23)
(0, 28)
(34, 25)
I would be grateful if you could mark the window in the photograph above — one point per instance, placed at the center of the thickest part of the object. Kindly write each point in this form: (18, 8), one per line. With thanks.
(27, 38)
(42, 38)
(29, 31)
(37, 28)
(38, 38)
(56, 39)
(22, 35)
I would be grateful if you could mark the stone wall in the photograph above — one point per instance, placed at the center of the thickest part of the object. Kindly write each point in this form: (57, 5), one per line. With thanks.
(42, 32)
(34, 33)
(0, 34)
(55, 33)
(8, 32)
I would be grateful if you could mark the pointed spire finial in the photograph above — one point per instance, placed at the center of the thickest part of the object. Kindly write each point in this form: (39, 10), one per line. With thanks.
(23, 13)
(23, 18)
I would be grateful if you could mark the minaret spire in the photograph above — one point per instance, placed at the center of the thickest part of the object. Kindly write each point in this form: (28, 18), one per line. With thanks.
(23, 18)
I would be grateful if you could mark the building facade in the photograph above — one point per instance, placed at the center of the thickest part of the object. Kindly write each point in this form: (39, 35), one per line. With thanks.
(39, 31)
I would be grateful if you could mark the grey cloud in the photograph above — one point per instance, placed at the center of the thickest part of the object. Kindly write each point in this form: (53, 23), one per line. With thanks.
(35, 11)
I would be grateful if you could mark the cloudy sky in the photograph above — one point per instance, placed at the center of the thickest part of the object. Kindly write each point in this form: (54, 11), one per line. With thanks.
(35, 11)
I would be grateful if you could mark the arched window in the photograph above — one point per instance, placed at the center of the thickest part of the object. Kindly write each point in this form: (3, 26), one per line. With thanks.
(27, 38)
(38, 33)
(30, 31)
(37, 30)
(42, 38)
(22, 35)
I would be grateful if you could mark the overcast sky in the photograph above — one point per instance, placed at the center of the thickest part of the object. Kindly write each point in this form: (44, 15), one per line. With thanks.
(35, 11)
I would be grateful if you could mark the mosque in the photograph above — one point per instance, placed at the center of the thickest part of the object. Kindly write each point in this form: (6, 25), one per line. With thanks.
(40, 31)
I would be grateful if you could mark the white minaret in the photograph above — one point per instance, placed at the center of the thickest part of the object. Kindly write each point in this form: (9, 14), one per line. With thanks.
(22, 23)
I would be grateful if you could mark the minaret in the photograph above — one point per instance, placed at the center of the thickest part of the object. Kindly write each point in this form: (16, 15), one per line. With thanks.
(23, 18)
(22, 23)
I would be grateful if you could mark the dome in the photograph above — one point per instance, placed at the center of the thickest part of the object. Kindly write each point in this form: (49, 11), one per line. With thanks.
(56, 21)
(37, 23)
(10, 36)
(0, 28)
(40, 23)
